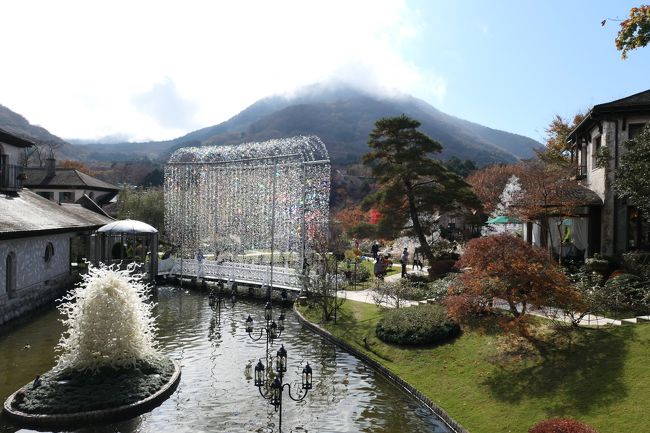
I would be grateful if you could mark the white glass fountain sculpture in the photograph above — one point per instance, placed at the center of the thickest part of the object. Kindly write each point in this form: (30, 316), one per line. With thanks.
(109, 321)
(240, 202)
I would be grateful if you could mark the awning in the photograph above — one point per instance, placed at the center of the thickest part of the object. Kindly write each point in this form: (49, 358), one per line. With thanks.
(503, 220)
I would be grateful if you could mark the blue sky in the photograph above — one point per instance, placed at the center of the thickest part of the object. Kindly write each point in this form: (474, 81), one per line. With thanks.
(512, 65)
(158, 69)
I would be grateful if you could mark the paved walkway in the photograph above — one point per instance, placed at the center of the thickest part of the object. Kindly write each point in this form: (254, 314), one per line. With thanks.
(368, 296)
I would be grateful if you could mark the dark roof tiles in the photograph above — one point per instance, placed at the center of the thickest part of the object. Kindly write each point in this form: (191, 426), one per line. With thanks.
(37, 178)
(29, 212)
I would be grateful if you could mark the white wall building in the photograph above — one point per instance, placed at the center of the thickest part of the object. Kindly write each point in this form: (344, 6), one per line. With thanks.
(36, 238)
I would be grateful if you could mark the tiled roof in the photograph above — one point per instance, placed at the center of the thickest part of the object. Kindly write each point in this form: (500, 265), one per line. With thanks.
(64, 177)
(580, 194)
(633, 104)
(13, 139)
(638, 99)
(27, 214)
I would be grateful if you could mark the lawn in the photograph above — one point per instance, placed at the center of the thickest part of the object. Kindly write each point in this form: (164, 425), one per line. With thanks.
(602, 378)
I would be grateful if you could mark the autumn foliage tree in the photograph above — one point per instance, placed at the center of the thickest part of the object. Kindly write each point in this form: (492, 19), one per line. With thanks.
(488, 183)
(77, 165)
(635, 30)
(557, 150)
(504, 268)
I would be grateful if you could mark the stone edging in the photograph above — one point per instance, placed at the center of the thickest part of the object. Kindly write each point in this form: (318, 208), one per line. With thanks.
(401, 383)
(95, 416)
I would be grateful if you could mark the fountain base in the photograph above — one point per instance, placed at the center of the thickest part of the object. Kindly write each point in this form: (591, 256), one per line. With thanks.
(66, 400)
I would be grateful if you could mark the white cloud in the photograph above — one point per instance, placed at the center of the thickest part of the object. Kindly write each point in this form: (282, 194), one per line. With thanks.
(81, 68)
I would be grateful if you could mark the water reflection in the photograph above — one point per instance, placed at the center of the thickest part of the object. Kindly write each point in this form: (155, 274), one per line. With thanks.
(216, 391)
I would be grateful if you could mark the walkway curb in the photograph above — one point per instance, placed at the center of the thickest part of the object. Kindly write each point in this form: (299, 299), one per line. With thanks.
(58, 421)
(401, 383)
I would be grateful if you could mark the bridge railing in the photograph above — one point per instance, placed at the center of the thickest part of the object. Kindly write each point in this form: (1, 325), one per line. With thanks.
(239, 272)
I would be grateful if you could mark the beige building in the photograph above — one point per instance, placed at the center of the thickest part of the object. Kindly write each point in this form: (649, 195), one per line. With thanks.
(616, 227)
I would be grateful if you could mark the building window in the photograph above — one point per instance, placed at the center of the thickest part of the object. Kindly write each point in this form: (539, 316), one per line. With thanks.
(46, 194)
(594, 151)
(10, 275)
(634, 129)
(66, 197)
(49, 252)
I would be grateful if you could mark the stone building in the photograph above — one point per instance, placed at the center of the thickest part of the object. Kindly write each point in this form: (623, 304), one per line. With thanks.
(38, 237)
(616, 227)
(67, 185)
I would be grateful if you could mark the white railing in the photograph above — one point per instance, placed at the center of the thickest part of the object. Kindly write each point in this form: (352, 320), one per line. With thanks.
(283, 277)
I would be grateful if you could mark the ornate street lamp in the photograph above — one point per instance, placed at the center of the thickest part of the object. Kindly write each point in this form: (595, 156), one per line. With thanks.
(271, 330)
(274, 392)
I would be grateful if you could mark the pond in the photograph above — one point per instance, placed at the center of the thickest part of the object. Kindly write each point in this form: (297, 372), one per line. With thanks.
(216, 391)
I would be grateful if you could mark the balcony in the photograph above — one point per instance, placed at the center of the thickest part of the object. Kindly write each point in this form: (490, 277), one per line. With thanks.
(581, 172)
(11, 177)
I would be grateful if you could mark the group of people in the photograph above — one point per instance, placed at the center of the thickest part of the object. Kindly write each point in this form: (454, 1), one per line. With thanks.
(382, 262)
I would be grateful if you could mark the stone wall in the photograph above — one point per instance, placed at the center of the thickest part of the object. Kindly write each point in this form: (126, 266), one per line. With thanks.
(37, 281)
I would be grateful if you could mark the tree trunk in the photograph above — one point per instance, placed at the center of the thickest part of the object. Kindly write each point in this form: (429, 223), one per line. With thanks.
(417, 228)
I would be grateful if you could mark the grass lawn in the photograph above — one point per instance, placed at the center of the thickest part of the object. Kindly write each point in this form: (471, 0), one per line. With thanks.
(602, 378)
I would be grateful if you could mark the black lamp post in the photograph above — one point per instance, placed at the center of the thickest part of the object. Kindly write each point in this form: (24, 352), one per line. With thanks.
(274, 391)
(271, 330)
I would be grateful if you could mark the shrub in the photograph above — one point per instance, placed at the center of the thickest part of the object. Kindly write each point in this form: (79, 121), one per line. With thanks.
(362, 275)
(416, 326)
(598, 263)
(626, 292)
(438, 289)
(393, 294)
(637, 263)
(561, 425)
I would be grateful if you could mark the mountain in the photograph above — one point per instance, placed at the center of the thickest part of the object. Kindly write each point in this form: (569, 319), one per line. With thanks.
(343, 117)
(17, 124)
(340, 115)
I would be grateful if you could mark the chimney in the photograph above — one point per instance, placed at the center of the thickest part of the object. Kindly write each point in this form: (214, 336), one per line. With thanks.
(50, 166)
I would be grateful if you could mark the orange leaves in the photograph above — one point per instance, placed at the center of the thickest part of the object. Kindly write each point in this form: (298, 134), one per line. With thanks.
(635, 31)
(504, 267)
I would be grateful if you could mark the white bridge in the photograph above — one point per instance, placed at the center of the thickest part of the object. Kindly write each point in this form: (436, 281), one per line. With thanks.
(244, 273)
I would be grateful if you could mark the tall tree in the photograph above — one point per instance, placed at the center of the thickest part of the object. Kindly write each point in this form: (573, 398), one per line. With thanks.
(632, 181)
(557, 149)
(489, 182)
(548, 192)
(635, 31)
(410, 183)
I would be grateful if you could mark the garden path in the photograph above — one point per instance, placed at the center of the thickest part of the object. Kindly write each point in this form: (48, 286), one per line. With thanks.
(368, 296)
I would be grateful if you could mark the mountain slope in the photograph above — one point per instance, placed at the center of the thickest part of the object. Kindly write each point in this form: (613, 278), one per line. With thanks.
(17, 124)
(340, 115)
(343, 118)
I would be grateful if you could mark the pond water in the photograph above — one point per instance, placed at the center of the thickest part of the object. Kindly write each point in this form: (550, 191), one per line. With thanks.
(216, 391)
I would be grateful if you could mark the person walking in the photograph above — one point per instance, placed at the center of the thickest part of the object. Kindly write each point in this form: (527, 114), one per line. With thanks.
(199, 258)
(404, 259)
(416, 259)
(380, 268)
(375, 250)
